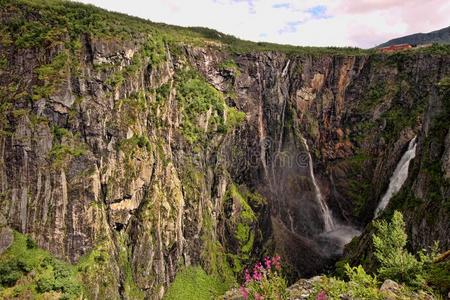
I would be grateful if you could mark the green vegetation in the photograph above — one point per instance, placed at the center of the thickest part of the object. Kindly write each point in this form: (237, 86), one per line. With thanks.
(240, 208)
(213, 255)
(395, 262)
(244, 228)
(65, 146)
(359, 184)
(130, 289)
(265, 281)
(359, 285)
(55, 20)
(51, 76)
(197, 98)
(97, 271)
(230, 65)
(194, 283)
(29, 272)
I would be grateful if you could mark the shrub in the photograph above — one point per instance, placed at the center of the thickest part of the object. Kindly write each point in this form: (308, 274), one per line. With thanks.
(11, 271)
(360, 285)
(395, 262)
(265, 282)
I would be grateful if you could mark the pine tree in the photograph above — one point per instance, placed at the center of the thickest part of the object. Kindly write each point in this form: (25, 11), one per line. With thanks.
(395, 262)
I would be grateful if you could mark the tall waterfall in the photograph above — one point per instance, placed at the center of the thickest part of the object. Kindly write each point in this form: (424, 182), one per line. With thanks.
(328, 221)
(399, 176)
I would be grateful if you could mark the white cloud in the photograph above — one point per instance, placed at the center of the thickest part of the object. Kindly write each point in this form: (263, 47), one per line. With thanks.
(363, 23)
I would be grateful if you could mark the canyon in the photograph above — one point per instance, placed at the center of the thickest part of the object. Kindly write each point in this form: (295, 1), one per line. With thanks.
(152, 152)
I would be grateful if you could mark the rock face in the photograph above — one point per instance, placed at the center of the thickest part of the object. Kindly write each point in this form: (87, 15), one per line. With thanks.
(171, 152)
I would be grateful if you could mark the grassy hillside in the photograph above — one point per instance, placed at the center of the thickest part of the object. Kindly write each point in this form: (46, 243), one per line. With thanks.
(441, 36)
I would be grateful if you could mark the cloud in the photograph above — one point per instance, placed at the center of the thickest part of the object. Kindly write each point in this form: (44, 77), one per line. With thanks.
(364, 6)
(363, 23)
(281, 5)
(318, 12)
(290, 27)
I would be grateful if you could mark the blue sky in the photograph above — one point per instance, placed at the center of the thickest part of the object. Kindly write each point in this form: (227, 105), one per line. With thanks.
(361, 23)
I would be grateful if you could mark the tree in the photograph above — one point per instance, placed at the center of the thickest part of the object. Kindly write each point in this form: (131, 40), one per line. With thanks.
(395, 262)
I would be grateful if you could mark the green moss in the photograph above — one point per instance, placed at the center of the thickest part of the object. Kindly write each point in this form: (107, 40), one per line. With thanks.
(130, 289)
(240, 205)
(129, 146)
(115, 80)
(65, 146)
(194, 283)
(213, 255)
(230, 65)
(234, 117)
(97, 272)
(196, 97)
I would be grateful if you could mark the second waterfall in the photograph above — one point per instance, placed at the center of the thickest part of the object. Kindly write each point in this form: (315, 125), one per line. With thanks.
(328, 220)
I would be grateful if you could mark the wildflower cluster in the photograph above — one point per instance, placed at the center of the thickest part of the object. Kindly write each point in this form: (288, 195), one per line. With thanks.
(264, 281)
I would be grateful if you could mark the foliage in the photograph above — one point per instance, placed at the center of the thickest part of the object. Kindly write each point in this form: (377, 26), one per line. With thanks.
(26, 269)
(51, 75)
(234, 117)
(130, 288)
(65, 146)
(213, 254)
(360, 285)
(194, 283)
(230, 65)
(265, 281)
(438, 276)
(395, 262)
(96, 271)
(240, 213)
(199, 99)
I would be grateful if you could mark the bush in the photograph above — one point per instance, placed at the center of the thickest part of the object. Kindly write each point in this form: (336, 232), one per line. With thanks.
(11, 271)
(265, 282)
(49, 274)
(438, 276)
(360, 285)
(395, 262)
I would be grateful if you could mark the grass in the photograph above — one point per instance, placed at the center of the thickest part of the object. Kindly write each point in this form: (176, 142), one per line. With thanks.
(194, 283)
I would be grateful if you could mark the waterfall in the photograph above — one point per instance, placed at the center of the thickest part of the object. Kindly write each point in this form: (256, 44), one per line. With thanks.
(399, 176)
(326, 213)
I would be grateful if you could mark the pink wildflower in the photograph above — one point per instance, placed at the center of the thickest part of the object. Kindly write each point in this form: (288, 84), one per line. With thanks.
(247, 276)
(276, 262)
(268, 263)
(322, 296)
(244, 292)
(257, 275)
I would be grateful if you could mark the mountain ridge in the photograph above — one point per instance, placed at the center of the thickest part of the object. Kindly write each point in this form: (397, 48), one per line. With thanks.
(440, 36)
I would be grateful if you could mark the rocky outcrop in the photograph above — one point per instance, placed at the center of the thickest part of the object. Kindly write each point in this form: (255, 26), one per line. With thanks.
(103, 138)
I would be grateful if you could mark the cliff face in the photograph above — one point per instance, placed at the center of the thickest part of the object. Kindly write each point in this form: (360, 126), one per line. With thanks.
(162, 154)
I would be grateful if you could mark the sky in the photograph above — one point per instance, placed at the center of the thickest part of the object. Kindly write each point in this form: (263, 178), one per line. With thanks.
(360, 23)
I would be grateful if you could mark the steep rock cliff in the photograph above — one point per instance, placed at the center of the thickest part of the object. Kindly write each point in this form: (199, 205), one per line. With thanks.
(160, 152)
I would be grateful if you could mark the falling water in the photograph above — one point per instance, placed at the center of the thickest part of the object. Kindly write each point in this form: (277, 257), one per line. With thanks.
(399, 176)
(326, 213)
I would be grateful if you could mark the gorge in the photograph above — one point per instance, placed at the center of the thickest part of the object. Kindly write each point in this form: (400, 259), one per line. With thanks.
(133, 149)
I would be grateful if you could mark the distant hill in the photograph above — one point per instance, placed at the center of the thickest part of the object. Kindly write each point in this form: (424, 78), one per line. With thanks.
(441, 36)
